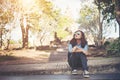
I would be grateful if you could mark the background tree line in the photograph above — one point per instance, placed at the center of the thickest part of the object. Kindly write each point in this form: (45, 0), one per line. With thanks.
(36, 16)
(42, 19)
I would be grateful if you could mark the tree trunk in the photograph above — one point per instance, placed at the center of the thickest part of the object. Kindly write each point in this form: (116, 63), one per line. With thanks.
(1, 37)
(118, 16)
(100, 29)
(100, 26)
(8, 43)
(24, 36)
(118, 20)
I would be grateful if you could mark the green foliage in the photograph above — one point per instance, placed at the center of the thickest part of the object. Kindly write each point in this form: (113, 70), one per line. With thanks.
(33, 20)
(88, 14)
(107, 7)
(89, 20)
(5, 17)
(114, 48)
(63, 22)
(62, 33)
(107, 43)
(12, 42)
(20, 41)
(45, 6)
(115, 45)
(40, 16)
(15, 42)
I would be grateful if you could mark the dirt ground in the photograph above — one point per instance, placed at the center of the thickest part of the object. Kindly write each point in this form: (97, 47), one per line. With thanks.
(37, 56)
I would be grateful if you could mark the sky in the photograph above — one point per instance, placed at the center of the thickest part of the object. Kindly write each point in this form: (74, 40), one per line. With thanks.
(73, 6)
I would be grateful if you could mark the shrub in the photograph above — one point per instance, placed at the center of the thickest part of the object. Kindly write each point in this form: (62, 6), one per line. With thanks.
(114, 48)
(106, 44)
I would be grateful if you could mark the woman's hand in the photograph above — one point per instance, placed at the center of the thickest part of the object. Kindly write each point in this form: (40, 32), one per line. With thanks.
(78, 49)
(74, 49)
(85, 52)
(82, 50)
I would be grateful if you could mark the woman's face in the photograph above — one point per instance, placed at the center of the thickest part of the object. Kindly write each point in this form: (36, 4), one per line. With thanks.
(77, 35)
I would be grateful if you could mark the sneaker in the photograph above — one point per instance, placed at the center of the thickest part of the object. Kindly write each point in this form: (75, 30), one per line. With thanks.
(74, 72)
(86, 74)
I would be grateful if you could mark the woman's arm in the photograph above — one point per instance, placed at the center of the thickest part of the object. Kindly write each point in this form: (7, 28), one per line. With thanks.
(84, 50)
(69, 48)
(72, 49)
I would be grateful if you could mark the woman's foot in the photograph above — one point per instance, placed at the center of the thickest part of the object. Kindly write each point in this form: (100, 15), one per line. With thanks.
(86, 74)
(74, 71)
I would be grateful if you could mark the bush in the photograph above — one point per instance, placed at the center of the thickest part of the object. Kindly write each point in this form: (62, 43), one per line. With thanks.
(114, 48)
(106, 43)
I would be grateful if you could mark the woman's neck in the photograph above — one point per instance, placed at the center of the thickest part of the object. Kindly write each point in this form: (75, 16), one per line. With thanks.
(78, 41)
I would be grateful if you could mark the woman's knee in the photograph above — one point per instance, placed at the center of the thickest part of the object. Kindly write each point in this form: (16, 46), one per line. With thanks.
(83, 56)
(69, 54)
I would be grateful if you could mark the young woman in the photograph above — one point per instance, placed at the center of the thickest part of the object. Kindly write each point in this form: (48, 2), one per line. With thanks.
(77, 51)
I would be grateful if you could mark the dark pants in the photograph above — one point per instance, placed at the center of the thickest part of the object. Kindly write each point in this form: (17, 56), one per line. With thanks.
(77, 60)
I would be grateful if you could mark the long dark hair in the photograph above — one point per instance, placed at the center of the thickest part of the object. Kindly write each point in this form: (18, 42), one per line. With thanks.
(83, 40)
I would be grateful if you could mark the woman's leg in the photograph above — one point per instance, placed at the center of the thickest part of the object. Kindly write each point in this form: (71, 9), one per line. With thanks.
(74, 60)
(69, 59)
(84, 61)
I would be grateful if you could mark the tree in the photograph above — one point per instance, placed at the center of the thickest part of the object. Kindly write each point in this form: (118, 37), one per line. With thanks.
(89, 20)
(63, 23)
(29, 13)
(6, 17)
(117, 8)
(110, 8)
(31, 18)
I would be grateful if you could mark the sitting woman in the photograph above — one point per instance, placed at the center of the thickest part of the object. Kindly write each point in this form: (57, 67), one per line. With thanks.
(77, 51)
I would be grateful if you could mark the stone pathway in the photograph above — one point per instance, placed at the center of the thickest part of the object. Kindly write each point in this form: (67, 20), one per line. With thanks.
(56, 63)
(95, 66)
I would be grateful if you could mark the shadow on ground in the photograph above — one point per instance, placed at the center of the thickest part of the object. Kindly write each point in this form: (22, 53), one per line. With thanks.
(7, 57)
